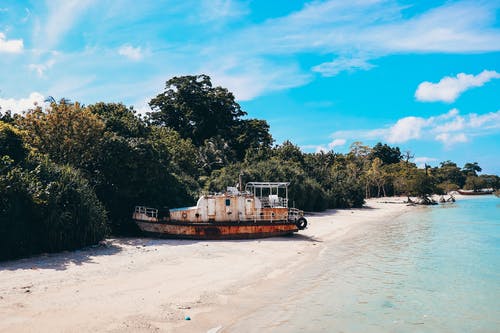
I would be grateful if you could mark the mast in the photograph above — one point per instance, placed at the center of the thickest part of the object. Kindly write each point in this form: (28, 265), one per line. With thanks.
(240, 181)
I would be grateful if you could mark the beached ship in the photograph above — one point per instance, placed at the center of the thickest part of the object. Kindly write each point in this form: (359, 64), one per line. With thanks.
(261, 210)
(476, 192)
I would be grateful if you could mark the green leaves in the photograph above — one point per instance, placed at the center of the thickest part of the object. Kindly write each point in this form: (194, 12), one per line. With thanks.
(11, 143)
(68, 133)
(209, 117)
(195, 109)
(45, 207)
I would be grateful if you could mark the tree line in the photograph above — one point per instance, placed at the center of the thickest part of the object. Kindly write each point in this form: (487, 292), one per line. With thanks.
(70, 174)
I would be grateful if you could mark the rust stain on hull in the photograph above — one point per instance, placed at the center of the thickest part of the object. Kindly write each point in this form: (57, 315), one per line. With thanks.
(217, 231)
(229, 215)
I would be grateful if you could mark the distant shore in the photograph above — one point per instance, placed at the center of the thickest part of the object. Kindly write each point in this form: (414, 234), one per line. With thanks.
(146, 285)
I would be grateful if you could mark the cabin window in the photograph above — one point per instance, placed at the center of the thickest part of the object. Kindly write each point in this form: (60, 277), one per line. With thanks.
(228, 202)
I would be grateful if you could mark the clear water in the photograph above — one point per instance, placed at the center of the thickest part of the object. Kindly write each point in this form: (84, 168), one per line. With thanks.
(434, 270)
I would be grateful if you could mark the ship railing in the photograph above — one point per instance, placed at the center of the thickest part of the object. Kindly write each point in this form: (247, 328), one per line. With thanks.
(273, 202)
(264, 201)
(150, 212)
(265, 216)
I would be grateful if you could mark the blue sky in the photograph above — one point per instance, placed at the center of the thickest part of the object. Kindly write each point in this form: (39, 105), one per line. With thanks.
(422, 75)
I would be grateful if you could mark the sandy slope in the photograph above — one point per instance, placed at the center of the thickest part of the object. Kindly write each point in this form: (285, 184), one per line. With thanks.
(145, 285)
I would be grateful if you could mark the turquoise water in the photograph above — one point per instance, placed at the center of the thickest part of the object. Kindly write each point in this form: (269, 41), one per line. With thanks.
(436, 269)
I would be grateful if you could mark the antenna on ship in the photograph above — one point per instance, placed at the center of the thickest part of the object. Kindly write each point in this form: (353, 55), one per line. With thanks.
(240, 181)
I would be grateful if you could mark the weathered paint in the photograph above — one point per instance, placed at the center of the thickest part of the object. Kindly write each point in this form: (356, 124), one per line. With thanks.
(217, 231)
(228, 208)
(229, 215)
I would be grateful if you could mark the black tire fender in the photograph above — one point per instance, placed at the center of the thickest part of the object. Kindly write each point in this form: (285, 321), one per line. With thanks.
(301, 223)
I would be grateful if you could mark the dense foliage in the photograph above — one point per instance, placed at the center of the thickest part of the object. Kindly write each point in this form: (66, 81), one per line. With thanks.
(43, 206)
(70, 173)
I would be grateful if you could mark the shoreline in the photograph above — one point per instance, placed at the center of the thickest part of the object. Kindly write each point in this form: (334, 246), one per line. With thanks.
(141, 284)
(336, 225)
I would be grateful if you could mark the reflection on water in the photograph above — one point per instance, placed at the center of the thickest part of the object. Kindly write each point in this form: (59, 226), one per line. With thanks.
(437, 270)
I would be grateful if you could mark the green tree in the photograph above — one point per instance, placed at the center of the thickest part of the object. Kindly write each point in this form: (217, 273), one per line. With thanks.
(68, 133)
(420, 183)
(471, 168)
(398, 177)
(377, 176)
(43, 206)
(288, 152)
(358, 163)
(449, 173)
(136, 171)
(387, 154)
(120, 120)
(251, 134)
(6, 116)
(474, 183)
(71, 214)
(197, 110)
(211, 118)
(184, 156)
(491, 181)
(214, 154)
(318, 165)
(344, 188)
(11, 142)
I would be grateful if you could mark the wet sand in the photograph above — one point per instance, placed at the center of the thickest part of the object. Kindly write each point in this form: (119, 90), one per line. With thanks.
(150, 285)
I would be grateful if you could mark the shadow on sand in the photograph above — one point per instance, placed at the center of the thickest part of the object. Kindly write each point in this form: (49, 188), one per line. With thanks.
(145, 242)
(62, 260)
(109, 247)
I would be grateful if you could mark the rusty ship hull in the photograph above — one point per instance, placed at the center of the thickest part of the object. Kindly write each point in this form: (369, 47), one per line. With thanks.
(214, 231)
(230, 215)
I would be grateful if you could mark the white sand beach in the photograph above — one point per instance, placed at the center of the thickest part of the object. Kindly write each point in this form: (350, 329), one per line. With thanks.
(148, 285)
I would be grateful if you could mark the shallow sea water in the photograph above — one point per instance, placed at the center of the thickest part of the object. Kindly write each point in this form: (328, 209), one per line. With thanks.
(436, 269)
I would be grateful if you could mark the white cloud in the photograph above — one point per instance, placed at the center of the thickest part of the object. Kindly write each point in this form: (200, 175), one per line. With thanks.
(337, 143)
(133, 53)
(41, 68)
(317, 149)
(342, 64)
(217, 10)
(142, 106)
(325, 148)
(449, 115)
(27, 16)
(448, 89)
(422, 161)
(374, 29)
(353, 33)
(63, 15)
(249, 78)
(490, 120)
(449, 128)
(22, 104)
(406, 129)
(10, 46)
(350, 33)
(449, 139)
(457, 124)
